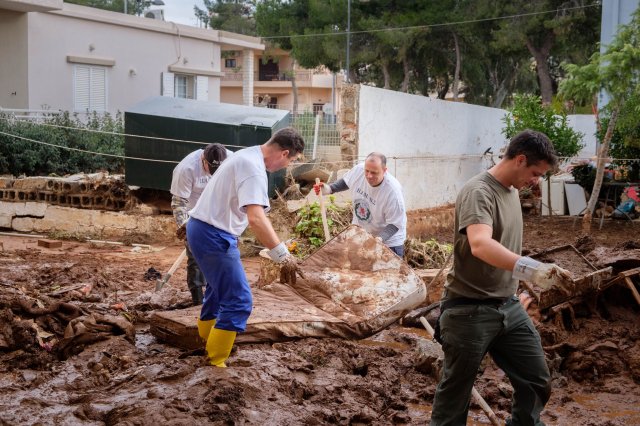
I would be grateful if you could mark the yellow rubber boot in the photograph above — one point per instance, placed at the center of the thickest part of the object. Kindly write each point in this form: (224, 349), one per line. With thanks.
(219, 346)
(204, 328)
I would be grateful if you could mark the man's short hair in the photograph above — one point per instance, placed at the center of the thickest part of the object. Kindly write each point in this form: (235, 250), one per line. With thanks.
(214, 155)
(380, 156)
(536, 146)
(288, 138)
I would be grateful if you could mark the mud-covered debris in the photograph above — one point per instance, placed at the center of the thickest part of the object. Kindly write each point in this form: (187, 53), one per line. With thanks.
(426, 254)
(429, 358)
(152, 274)
(628, 245)
(90, 329)
(585, 244)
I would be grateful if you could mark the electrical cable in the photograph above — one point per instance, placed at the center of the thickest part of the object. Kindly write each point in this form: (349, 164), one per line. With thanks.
(126, 134)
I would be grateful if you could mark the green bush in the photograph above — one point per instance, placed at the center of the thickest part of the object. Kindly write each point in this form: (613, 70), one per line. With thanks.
(19, 156)
(529, 113)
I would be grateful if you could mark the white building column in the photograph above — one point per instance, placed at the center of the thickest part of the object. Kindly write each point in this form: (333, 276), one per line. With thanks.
(247, 77)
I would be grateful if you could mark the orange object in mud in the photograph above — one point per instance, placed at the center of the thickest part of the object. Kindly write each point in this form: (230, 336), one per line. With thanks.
(119, 306)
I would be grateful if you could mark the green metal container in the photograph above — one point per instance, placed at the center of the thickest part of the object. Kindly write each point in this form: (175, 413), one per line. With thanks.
(190, 125)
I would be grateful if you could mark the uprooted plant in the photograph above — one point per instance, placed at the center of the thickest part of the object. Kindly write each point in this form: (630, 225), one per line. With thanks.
(426, 254)
(309, 228)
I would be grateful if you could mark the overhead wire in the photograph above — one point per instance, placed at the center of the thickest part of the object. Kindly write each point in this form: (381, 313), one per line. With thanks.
(126, 134)
(298, 163)
(356, 158)
(69, 148)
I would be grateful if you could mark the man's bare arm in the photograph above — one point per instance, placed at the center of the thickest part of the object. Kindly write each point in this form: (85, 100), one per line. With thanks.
(261, 226)
(489, 250)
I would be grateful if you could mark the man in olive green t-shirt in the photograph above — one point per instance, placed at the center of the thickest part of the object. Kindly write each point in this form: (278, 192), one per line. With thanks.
(479, 310)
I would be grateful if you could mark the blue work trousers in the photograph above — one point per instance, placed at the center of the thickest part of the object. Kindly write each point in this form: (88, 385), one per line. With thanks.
(227, 298)
(506, 332)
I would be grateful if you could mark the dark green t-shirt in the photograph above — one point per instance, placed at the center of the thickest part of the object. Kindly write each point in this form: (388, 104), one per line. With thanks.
(484, 200)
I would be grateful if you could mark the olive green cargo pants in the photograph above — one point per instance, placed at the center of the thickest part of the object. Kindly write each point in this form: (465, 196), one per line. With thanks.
(506, 332)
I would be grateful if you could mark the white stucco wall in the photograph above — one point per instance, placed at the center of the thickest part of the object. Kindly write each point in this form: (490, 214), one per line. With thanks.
(13, 66)
(137, 50)
(433, 146)
(586, 124)
(52, 37)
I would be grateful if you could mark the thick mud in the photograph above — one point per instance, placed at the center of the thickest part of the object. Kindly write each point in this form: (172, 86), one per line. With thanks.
(75, 349)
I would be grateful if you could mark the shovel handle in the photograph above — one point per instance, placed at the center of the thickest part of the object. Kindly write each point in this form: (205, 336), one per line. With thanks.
(173, 268)
(323, 213)
(177, 262)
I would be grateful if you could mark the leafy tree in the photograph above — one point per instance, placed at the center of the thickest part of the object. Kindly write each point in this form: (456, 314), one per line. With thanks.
(617, 71)
(309, 21)
(549, 36)
(228, 15)
(421, 47)
(490, 71)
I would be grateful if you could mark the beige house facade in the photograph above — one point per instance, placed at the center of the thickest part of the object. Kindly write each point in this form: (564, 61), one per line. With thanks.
(272, 72)
(60, 56)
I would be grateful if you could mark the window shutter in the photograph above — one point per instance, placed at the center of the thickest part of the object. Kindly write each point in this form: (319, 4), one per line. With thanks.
(202, 88)
(82, 80)
(98, 89)
(167, 84)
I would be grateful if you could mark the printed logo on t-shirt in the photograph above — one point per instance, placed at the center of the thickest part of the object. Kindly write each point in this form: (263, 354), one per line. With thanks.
(362, 210)
(202, 181)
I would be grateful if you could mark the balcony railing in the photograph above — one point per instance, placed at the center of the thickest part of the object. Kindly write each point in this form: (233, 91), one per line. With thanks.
(282, 76)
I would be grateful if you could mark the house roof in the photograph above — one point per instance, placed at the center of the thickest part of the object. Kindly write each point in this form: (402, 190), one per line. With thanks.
(30, 5)
(228, 40)
(211, 112)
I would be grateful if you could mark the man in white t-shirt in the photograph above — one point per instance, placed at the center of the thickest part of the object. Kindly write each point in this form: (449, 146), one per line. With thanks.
(236, 197)
(378, 203)
(189, 178)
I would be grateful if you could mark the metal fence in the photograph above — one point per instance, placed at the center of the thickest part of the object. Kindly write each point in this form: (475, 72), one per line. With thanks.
(321, 136)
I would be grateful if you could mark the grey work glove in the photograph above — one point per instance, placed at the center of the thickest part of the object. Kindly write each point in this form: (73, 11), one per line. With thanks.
(181, 232)
(544, 275)
(288, 264)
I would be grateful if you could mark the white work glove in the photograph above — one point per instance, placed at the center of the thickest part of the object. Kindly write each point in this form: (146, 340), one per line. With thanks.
(322, 188)
(288, 264)
(544, 275)
(279, 253)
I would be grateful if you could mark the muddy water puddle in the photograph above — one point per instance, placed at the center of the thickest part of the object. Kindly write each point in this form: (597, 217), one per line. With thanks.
(615, 408)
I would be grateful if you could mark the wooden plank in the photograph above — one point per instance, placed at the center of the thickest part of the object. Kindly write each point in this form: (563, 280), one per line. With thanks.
(178, 328)
(632, 287)
(629, 272)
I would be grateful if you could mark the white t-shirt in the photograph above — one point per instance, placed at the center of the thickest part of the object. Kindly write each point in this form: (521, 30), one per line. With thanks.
(189, 178)
(376, 207)
(240, 180)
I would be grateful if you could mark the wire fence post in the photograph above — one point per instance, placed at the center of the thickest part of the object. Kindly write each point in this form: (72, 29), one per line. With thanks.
(315, 137)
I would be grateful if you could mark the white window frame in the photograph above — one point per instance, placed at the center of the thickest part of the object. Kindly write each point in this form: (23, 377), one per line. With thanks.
(189, 86)
(94, 91)
(195, 86)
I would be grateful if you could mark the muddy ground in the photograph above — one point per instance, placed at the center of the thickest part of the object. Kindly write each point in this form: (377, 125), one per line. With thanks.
(109, 369)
